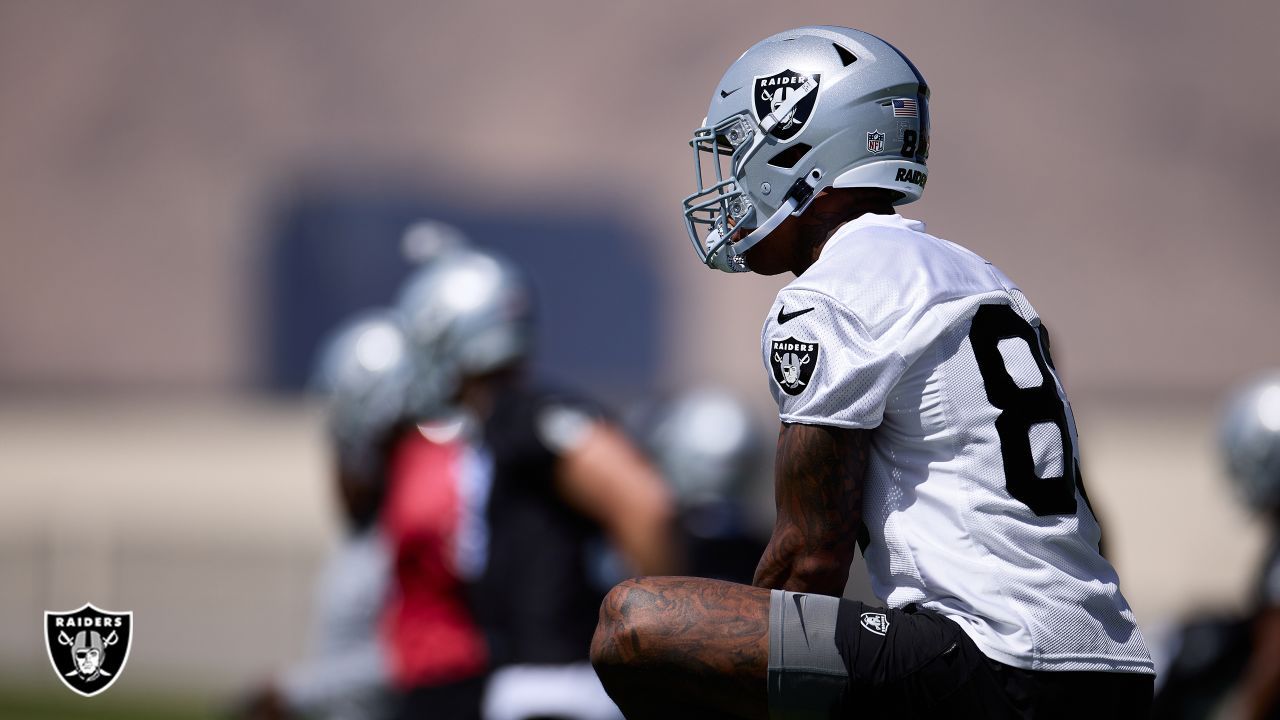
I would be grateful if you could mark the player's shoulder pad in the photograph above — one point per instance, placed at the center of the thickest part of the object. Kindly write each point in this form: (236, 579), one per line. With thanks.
(561, 418)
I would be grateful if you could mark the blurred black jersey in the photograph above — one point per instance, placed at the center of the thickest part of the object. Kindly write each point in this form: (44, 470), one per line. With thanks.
(1211, 652)
(1267, 593)
(535, 598)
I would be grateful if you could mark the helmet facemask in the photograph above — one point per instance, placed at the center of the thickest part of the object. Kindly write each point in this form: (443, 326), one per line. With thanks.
(724, 207)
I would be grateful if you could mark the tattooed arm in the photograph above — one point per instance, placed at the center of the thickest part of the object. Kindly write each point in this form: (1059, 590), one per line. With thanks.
(672, 648)
(818, 491)
(676, 648)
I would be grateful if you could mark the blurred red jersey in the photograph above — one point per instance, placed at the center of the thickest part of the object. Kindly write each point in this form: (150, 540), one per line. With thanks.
(431, 634)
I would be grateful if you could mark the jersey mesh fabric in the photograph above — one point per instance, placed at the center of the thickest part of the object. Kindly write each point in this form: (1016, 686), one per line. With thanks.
(891, 320)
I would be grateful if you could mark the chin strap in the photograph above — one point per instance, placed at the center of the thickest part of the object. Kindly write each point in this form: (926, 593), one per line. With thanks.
(729, 257)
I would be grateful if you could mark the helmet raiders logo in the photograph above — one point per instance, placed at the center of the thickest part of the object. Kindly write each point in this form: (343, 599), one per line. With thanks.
(88, 647)
(793, 361)
(770, 92)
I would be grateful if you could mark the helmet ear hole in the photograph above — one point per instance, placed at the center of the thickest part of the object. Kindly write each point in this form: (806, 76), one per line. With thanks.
(789, 157)
(846, 58)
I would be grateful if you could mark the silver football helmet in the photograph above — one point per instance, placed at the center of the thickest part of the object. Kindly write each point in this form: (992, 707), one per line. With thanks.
(706, 445)
(364, 369)
(466, 313)
(1250, 435)
(427, 240)
(799, 112)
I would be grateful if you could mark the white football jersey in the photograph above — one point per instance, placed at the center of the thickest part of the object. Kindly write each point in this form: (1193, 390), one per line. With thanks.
(972, 500)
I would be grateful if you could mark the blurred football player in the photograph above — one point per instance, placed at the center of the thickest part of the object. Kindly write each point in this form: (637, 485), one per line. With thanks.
(363, 371)
(921, 415)
(533, 476)
(1251, 440)
(1234, 661)
(709, 449)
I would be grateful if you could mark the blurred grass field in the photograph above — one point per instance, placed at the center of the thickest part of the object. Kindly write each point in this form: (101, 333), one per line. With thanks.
(40, 703)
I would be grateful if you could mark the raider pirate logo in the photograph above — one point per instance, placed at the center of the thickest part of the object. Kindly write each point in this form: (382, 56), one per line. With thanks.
(793, 361)
(88, 647)
(875, 622)
(771, 92)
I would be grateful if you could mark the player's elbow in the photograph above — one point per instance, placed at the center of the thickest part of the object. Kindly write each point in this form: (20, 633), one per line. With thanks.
(801, 564)
(819, 572)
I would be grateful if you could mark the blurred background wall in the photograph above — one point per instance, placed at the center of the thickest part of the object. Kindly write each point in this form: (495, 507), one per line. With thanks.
(190, 192)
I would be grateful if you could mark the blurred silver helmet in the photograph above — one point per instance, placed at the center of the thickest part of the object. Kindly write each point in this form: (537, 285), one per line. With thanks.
(800, 112)
(364, 369)
(428, 240)
(1251, 442)
(466, 313)
(706, 445)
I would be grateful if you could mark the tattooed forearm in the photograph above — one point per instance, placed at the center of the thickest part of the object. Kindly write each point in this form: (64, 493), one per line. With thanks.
(671, 648)
(818, 491)
(709, 626)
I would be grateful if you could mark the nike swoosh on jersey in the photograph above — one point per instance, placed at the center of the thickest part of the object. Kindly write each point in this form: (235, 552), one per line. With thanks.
(784, 316)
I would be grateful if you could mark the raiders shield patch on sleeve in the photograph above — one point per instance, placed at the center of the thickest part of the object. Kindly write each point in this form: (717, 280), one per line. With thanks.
(793, 362)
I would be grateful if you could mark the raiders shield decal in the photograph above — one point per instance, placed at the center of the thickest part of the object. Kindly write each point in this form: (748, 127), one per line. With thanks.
(88, 647)
(875, 622)
(771, 92)
(793, 361)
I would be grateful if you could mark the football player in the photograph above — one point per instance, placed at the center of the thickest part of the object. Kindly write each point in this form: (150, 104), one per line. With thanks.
(537, 476)
(1229, 666)
(1251, 441)
(921, 418)
(363, 371)
(708, 448)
